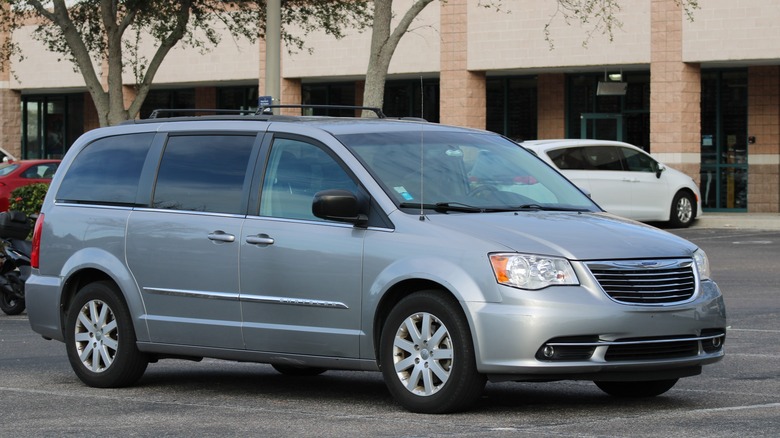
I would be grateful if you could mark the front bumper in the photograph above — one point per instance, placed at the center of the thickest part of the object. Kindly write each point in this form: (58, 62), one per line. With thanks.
(578, 333)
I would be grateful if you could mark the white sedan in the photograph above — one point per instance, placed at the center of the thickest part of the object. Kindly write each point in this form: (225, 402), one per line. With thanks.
(624, 180)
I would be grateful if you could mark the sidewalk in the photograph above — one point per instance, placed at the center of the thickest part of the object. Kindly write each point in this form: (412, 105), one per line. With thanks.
(755, 221)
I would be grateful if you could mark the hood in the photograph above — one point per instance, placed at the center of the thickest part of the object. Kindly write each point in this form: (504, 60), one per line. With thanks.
(576, 236)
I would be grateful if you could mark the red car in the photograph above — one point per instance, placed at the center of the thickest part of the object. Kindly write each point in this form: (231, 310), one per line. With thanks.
(14, 174)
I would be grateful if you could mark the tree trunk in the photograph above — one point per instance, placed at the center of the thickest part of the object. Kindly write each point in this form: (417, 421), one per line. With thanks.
(383, 45)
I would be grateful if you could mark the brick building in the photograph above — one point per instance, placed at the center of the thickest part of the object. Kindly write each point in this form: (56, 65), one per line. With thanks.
(702, 96)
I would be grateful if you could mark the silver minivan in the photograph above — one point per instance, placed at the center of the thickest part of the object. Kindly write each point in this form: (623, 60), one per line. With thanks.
(443, 257)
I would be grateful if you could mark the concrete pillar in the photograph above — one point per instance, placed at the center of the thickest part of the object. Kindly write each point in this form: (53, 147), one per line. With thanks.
(551, 106)
(675, 96)
(764, 127)
(10, 120)
(462, 98)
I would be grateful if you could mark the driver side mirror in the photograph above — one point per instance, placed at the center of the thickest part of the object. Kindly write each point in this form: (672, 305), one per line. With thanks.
(659, 171)
(339, 206)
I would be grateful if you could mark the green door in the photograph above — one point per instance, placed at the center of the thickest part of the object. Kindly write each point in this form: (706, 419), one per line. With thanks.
(601, 126)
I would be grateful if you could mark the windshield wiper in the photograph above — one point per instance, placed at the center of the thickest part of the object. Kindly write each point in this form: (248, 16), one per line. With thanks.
(443, 207)
(547, 208)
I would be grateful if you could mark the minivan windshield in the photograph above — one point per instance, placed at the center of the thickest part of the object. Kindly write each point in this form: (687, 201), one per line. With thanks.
(463, 171)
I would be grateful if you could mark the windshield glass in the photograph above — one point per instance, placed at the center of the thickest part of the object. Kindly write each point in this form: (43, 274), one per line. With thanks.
(462, 171)
(7, 168)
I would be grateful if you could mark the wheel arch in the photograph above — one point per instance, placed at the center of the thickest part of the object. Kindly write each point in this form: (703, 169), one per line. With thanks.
(694, 196)
(672, 206)
(111, 270)
(400, 291)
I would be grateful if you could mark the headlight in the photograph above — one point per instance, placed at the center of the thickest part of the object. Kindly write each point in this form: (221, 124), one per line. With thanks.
(527, 271)
(702, 264)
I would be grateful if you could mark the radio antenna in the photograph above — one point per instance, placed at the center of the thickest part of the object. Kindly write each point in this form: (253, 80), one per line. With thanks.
(422, 172)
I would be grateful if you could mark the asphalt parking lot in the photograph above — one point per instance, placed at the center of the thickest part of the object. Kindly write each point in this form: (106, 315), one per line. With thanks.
(740, 396)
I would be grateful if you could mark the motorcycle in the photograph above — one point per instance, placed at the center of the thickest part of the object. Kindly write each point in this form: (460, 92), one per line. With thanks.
(15, 252)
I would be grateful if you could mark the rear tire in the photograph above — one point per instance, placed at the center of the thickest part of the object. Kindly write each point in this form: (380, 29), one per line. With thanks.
(427, 356)
(10, 301)
(649, 388)
(100, 338)
(683, 210)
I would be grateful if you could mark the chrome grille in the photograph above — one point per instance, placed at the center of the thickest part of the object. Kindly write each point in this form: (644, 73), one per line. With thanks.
(646, 282)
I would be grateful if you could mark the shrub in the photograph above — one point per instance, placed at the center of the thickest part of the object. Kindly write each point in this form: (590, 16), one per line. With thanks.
(28, 199)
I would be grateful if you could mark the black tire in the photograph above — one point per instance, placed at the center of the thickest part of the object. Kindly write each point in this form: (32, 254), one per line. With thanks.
(453, 383)
(292, 370)
(649, 388)
(12, 294)
(683, 210)
(100, 339)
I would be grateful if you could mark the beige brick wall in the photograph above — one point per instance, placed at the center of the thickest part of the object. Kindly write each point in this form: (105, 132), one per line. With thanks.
(733, 30)
(513, 38)
(10, 121)
(462, 93)
(764, 125)
(675, 99)
(551, 97)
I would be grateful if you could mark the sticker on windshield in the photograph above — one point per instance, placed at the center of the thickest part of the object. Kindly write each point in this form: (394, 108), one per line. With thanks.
(404, 194)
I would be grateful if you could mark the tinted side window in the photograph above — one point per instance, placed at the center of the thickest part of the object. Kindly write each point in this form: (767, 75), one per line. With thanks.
(638, 162)
(203, 173)
(107, 171)
(45, 171)
(296, 172)
(570, 159)
(603, 157)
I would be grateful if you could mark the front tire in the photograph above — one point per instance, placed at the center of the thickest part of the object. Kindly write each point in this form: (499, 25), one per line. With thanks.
(683, 210)
(649, 388)
(427, 356)
(100, 339)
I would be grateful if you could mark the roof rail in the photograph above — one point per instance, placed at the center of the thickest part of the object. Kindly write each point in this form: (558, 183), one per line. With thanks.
(156, 113)
(378, 111)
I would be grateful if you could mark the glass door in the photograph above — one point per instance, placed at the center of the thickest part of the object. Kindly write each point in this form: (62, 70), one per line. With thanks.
(601, 126)
(724, 168)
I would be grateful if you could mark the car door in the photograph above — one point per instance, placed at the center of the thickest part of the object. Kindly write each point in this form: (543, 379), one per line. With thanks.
(599, 170)
(651, 199)
(300, 275)
(183, 251)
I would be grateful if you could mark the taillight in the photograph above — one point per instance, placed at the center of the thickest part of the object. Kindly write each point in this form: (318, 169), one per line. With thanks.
(36, 242)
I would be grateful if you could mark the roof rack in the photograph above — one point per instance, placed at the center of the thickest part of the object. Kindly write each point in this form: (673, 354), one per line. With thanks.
(378, 111)
(156, 113)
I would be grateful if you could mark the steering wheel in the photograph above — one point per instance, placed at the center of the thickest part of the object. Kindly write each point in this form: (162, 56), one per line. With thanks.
(484, 191)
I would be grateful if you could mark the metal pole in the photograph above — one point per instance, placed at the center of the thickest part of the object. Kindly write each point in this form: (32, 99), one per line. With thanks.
(273, 48)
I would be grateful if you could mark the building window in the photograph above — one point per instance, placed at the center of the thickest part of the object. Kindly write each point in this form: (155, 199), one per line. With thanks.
(50, 124)
(329, 94)
(512, 107)
(623, 118)
(239, 98)
(168, 99)
(412, 98)
(403, 98)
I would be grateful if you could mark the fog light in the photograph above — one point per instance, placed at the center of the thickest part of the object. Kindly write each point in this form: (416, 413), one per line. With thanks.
(548, 351)
(716, 342)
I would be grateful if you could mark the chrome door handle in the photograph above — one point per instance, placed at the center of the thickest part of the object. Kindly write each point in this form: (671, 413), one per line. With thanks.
(221, 236)
(260, 239)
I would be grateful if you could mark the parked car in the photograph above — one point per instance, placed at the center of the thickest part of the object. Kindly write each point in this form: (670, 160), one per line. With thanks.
(624, 179)
(441, 256)
(15, 174)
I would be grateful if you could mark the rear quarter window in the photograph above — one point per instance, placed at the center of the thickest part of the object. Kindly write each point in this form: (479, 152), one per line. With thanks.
(107, 171)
